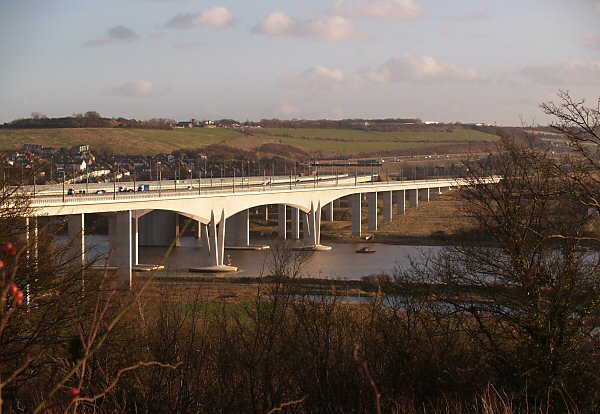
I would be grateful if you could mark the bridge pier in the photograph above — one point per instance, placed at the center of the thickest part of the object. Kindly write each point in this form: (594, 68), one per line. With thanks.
(312, 223)
(328, 211)
(401, 201)
(305, 229)
(356, 202)
(372, 210)
(198, 232)
(295, 223)
(237, 230)
(159, 228)
(281, 221)
(213, 252)
(135, 238)
(119, 236)
(31, 238)
(387, 206)
(32, 253)
(76, 235)
(424, 194)
(413, 198)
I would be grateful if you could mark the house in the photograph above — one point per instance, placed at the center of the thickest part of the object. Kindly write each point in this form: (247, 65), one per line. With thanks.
(79, 166)
(81, 148)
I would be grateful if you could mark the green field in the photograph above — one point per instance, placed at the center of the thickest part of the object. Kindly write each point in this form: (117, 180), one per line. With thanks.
(327, 141)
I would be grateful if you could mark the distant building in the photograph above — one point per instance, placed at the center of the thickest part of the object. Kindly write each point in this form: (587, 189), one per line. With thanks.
(79, 166)
(39, 149)
(99, 173)
(81, 148)
(34, 148)
(46, 151)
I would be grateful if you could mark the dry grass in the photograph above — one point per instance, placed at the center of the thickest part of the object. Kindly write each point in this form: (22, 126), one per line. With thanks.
(430, 224)
(327, 141)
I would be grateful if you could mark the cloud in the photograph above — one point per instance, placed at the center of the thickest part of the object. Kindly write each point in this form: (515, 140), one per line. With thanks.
(474, 15)
(288, 109)
(276, 23)
(381, 9)
(421, 69)
(115, 35)
(187, 45)
(565, 73)
(331, 29)
(408, 68)
(322, 78)
(136, 89)
(218, 17)
(591, 41)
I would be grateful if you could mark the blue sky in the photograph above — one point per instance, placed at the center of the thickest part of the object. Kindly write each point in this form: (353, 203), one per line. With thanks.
(461, 60)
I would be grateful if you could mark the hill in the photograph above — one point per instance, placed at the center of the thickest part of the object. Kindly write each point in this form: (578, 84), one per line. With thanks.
(327, 142)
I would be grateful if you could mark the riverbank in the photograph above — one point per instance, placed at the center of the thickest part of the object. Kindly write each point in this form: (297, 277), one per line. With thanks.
(439, 222)
(235, 289)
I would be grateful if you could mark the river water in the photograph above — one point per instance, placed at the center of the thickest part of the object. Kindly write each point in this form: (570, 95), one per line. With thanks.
(341, 262)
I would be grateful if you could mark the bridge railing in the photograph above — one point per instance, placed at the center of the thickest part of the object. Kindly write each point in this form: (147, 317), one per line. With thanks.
(344, 180)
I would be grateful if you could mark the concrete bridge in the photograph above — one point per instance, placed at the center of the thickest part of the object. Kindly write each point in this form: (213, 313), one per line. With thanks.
(222, 212)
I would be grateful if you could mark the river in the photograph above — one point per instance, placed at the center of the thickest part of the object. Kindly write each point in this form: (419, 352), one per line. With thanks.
(341, 262)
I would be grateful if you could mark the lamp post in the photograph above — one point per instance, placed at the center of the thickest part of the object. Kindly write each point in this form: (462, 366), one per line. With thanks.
(199, 181)
(159, 172)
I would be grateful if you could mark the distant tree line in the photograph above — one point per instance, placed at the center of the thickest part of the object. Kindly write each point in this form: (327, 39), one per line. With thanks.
(90, 119)
(370, 124)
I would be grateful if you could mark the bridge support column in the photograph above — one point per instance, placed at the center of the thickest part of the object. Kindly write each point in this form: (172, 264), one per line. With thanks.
(372, 210)
(281, 221)
(387, 206)
(198, 233)
(213, 253)
(135, 239)
(205, 242)
(119, 235)
(31, 243)
(328, 212)
(31, 235)
(356, 201)
(237, 231)
(401, 201)
(159, 228)
(76, 234)
(295, 230)
(305, 229)
(413, 198)
(312, 237)
(177, 230)
(424, 194)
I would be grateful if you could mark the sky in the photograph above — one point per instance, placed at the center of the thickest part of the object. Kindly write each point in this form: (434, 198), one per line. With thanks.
(437, 60)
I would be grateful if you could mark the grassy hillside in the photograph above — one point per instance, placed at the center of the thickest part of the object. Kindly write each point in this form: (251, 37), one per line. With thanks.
(330, 141)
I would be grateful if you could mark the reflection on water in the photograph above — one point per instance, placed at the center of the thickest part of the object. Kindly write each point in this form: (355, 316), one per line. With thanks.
(339, 263)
